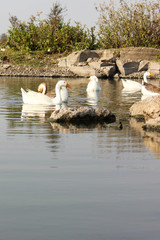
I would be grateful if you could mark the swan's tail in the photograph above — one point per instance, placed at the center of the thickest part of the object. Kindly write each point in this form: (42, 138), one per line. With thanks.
(24, 96)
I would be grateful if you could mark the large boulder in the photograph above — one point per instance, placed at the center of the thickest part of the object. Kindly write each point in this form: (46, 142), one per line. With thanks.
(134, 60)
(80, 115)
(75, 58)
(149, 109)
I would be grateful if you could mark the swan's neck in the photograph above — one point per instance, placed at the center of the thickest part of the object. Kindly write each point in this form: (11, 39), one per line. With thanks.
(58, 94)
(44, 89)
(145, 79)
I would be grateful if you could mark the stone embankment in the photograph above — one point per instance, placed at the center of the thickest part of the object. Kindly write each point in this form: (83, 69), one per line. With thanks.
(130, 62)
(109, 63)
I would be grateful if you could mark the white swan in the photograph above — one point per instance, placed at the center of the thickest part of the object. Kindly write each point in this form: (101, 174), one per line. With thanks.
(32, 97)
(93, 85)
(131, 85)
(42, 88)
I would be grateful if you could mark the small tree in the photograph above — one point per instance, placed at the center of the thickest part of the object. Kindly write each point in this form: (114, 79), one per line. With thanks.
(51, 33)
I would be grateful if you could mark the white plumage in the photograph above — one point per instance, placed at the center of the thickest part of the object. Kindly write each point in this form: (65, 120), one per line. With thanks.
(131, 85)
(31, 97)
(93, 84)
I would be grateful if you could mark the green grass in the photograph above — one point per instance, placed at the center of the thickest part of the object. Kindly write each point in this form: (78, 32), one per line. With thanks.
(32, 59)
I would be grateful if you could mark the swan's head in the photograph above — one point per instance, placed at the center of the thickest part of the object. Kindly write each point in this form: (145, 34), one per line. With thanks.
(63, 83)
(148, 74)
(93, 78)
(42, 88)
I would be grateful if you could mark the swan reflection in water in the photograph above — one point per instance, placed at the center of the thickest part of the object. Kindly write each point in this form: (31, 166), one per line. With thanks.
(92, 97)
(128, 91)
(31, 110)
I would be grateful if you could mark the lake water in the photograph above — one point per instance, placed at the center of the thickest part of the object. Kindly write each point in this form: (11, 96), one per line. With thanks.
(71, 183)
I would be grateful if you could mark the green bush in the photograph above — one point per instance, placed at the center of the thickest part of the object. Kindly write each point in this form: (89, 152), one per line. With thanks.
(51, 34)
(130, 24)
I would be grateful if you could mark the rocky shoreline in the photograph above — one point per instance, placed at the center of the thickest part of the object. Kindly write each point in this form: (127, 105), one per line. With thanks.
(27, 71)
(110, 63)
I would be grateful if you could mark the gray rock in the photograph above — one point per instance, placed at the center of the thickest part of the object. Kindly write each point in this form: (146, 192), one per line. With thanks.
(84, 71)
(154, 68)
(127, 67)
(149, 109)
(6, 66)
(80, 56)
(110, 55)
(143, 65)
(85, 115)
(109, 71)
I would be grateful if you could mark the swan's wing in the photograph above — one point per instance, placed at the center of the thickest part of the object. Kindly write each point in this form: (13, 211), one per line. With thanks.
(32, 97)
(130, 84)
(24, 95)
(150, 89)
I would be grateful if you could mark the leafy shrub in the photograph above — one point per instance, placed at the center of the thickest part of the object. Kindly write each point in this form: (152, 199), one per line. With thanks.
(131, 24)
(51, 34)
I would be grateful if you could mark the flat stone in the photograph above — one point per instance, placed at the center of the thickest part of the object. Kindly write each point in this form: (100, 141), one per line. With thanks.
(85, 115)
(83, 71)
(139, 53)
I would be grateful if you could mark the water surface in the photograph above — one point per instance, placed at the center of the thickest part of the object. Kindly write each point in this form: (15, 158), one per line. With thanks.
(68, 183)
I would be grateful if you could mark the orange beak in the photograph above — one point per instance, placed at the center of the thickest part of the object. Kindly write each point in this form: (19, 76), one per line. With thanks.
(67, 85)
(151, 75)
(89, 79)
